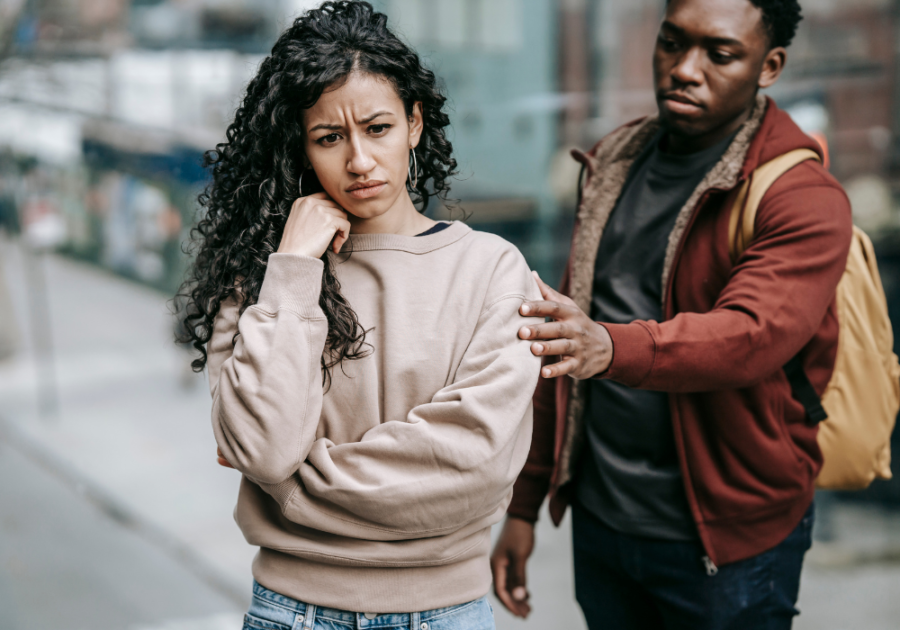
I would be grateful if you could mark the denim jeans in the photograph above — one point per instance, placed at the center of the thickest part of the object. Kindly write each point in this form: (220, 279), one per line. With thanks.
(624, 582)
(272, 611)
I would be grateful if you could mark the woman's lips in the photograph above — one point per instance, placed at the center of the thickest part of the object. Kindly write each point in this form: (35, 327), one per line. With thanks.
(366, 191)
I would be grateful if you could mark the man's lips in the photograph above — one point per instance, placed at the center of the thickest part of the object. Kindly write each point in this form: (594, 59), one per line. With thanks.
(681, 104)
(364, 190)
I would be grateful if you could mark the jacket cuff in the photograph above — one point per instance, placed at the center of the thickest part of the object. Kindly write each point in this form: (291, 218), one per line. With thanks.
(292, 282)
(633, 353)
(528, 494)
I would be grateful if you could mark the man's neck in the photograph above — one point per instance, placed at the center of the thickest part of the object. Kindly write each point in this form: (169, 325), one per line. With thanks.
(680, 144)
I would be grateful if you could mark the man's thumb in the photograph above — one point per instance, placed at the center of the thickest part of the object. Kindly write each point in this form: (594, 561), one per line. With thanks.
(546, 291)
(517, 580)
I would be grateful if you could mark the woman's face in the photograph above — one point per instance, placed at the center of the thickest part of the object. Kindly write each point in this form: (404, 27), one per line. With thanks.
(357, 140)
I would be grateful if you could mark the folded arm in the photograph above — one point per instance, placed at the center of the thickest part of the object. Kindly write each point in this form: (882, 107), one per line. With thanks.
(267, 387)
(445, 465)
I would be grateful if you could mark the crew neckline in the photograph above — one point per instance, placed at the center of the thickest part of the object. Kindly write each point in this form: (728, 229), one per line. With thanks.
(434, 229)
(679, 164)
(421, 244)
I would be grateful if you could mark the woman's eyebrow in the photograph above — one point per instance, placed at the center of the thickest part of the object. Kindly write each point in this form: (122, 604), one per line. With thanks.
(369, 119)
(336, 127)
(331, 126)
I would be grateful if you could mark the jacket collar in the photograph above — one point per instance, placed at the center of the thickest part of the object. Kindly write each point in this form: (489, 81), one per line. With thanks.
(607, 167)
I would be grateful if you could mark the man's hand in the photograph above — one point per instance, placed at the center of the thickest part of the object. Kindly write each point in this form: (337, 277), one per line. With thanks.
(221, 459)
(584, 346)
(512, 551)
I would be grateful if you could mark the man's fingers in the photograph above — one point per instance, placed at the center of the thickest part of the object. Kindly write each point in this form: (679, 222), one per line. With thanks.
(517, 587)
(549, 293)
(566, 366)
(557, 309)
(518, 580)
(507, 596)
(499, 565)
(555, 347)
(551, 330)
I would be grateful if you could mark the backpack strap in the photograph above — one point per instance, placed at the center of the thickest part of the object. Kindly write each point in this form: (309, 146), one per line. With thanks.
(741, 227)
(742, 223)
(804, 392)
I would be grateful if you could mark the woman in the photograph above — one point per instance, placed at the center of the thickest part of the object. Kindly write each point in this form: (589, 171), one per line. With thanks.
(363, 360)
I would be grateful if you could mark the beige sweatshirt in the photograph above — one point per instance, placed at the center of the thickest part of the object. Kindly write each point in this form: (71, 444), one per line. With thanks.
(378, 495)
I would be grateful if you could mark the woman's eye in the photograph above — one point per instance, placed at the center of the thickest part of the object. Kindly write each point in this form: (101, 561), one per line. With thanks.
(378, 130)
(329, 139)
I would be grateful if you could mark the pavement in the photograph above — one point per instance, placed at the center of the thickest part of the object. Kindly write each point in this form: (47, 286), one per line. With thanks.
(114, 514)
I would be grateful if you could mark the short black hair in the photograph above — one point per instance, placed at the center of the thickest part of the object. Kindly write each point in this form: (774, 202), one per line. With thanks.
(780, 19)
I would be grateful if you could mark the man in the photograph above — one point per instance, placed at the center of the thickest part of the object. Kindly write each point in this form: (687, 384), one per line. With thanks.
(689, 465)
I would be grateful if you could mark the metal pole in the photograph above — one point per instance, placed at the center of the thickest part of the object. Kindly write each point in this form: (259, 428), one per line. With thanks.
(42, 333)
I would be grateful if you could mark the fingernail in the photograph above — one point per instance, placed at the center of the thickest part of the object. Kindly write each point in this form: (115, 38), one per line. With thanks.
(523, 333)
(546, 372)
(519, 593)
(538, 347)
(526, 309)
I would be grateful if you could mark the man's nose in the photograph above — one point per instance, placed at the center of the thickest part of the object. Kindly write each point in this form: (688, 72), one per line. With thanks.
(361, 160)
(688, 70)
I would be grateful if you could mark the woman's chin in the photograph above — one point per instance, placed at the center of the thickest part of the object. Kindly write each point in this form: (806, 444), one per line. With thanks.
(368, 208)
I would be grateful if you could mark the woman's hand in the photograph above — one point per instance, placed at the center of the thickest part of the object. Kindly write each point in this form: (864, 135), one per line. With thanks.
(315, 222)
(221, 459)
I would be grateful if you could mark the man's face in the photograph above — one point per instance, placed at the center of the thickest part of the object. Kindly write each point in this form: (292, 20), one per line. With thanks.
(710, 58)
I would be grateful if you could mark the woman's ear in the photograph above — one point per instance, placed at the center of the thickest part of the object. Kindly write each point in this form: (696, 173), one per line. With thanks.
(415, 125)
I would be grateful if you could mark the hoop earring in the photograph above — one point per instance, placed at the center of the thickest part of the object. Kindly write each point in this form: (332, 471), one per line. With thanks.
(415, 168)
(300, 183)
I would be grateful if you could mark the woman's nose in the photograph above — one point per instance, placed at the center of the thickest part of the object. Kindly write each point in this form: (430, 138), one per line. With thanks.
(361, 160)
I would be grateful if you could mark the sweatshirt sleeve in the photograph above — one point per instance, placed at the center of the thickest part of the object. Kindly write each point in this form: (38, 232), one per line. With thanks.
(534, 481)
(445, 465)
(267, 386)
(773, 304)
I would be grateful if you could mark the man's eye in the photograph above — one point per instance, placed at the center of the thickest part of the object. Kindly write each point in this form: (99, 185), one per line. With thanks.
(719, 57)
(669, 45)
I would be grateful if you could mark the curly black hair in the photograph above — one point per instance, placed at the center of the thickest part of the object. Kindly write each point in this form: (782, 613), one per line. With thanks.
(780, 19)
(255, 171)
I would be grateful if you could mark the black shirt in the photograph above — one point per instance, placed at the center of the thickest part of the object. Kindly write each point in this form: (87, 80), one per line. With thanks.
(630, 477)
(434, 229)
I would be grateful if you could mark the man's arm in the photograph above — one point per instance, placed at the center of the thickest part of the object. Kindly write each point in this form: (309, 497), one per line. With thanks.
(772, 305)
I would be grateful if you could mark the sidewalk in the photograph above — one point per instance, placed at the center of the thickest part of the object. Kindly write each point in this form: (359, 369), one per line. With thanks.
(131, 445)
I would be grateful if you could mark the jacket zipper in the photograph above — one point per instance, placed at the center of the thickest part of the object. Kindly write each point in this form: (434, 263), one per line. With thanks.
(711, 568)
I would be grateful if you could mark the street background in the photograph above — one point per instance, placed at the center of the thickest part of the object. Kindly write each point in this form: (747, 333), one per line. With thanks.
(113, 512)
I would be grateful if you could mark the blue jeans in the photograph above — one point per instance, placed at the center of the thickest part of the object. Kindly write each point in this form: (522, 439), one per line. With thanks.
(272, 611)
(624, 582)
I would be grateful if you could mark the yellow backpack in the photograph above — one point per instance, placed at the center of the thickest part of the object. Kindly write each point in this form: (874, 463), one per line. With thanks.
(862, 399)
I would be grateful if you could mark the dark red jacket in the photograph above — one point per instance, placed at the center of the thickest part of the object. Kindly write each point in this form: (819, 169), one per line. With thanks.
(748, 457)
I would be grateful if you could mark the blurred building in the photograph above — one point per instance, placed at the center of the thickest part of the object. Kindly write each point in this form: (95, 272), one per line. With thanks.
(112, 103)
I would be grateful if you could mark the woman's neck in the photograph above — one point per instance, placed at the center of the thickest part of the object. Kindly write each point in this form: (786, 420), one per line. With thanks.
(402, 218)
